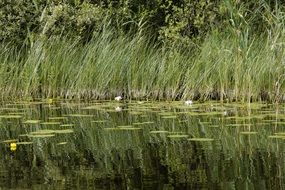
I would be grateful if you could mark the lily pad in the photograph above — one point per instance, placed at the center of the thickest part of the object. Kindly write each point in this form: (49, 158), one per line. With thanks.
(79, 115)
(93, 107)
(124, 126)
(158, 132)
(63, 131)
(11, 116)
(16, 113)
(67, 125)
(135, 113)
(248, 132)
(32, 121)
(166, 113)
(42, 132)
(280, 133)
(178, 136)
(61, 143)
(169, 117)
(57, 118)
(111, 128)
(201, 139)
(276, 137)
(50, 123)
(24, 143)
(236, 125)
(41, 135)
(279, 122)
(130, 128)
(214, 126)
(9, 141)
(175, 132)
(144, 123)
(99, 121)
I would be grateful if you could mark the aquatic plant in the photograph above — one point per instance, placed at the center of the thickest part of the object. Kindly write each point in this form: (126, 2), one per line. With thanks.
(235, 64)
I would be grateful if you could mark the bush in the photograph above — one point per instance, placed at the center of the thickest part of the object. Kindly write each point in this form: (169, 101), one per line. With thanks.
(19, 19)
(171, 21)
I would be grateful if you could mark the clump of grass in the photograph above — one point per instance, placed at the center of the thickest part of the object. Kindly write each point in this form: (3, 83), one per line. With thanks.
(234, 65)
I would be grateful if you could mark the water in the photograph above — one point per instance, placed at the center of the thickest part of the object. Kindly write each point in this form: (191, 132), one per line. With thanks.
(141, 145)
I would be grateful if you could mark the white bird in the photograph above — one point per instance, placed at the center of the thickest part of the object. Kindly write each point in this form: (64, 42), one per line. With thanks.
(118, 98)
(188, 102)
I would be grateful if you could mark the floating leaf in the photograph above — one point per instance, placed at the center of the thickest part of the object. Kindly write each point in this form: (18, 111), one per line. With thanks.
(41, 136)
(41, 132)
(144, 123)
(16, 113)
(67, 125)
(276, 136)
(9, 141)
(201, 139)
(11, 116)
(158, 132)
(280, 133)
(236, 125)
(99, 121)
(175, 132)
(178, 136)
(94, 107)
(57, 118)
(50, 123)
(169, 117)
(206, 122)
(279, 122)
(63, 131)
(32, 121)
(61, 143)
(24, 143)
(111, 128)
(214, 126)
(124, 126)
(166, 113)
(79, 115)
(130, 128)
(135, 113)
(248, 132)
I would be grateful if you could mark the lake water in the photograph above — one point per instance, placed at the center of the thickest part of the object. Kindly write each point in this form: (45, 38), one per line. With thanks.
(141, 145)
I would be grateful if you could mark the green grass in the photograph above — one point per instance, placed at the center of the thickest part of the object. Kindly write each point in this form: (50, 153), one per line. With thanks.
(227, 66)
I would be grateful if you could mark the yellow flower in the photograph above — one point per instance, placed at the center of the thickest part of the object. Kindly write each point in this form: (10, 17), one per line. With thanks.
(49, 101)
(13, 146)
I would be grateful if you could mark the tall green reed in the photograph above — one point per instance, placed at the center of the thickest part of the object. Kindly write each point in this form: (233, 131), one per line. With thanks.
(236, 64)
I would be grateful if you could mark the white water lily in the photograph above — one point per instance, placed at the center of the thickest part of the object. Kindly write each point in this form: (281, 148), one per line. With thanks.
(188, 102)
(118, 109)
(118, 98)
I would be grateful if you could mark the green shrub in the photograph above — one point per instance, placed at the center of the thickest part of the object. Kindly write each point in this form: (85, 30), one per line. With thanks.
(18, 19)
(171, 21)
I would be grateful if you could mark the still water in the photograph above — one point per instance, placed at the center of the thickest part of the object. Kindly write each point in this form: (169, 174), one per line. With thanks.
(141, 145)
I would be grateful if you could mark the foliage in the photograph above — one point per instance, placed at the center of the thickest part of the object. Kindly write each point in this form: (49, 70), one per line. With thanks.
(171, 21)
(22, 20)
(238, 49)
(18, 19)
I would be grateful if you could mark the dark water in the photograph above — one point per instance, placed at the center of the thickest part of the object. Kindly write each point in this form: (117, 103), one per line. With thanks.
(141, 145)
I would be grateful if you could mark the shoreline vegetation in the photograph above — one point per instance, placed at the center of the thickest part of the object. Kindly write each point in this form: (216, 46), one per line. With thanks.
(239, 60)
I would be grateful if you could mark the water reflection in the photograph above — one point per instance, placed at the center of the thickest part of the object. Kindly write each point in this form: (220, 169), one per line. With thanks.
(150, 145)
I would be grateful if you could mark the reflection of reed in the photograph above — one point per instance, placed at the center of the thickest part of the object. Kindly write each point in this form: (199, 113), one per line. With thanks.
(129, 159)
